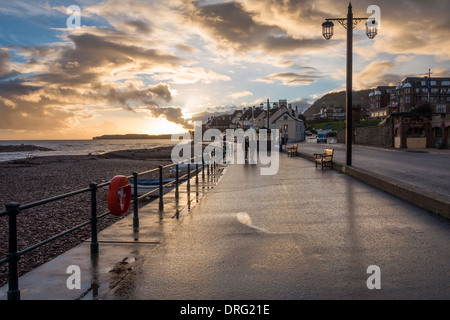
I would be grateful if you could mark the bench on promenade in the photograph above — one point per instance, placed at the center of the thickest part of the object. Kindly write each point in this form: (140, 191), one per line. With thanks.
(324, 159)
(292, 152)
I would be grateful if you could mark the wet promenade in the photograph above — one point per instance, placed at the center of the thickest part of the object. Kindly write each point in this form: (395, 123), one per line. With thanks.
(301, 234)
(312, 235)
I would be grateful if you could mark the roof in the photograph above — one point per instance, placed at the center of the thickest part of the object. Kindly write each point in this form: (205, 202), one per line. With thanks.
(287, 113)
(248, 113)
(411, 79)
(235, 113)
(258, 112)
(252, 113)
(221, 121)
(273, 110)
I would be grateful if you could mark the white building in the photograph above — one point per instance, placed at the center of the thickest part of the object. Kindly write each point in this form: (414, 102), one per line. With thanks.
(291, 128)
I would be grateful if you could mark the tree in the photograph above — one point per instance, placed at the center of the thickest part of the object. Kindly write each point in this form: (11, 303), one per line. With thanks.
(423, 110)
(303, 118)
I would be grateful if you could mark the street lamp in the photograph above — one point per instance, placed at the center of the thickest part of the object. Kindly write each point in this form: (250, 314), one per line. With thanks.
(327, 29)
(371, 28)
(349, 23)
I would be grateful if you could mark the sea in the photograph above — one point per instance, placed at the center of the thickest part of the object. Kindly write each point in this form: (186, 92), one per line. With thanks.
(80, 147)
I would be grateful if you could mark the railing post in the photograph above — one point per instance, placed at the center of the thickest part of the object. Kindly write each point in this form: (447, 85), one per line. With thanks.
(196, 179)
(203, 168)
(196, 172)
(94, 242)
(189, 177)
(189, 185)
(208, 169)
(135, 201)
(177, 192)
(13, 257)
(161, 200)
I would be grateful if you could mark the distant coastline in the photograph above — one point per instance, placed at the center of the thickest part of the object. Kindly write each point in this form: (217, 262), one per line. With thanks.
(132, 137)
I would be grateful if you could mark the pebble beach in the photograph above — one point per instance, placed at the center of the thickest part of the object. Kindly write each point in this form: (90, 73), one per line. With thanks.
(29, 180)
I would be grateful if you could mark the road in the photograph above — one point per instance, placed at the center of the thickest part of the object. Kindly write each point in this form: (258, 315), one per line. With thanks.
(428, 169)
(313, 234)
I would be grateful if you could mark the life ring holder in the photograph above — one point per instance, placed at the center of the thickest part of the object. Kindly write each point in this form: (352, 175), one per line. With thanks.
(119, 196)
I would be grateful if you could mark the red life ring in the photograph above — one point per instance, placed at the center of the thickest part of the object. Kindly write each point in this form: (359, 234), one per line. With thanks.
(119, 196)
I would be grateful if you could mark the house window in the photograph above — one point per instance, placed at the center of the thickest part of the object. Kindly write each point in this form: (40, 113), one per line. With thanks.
(422, 132)
(424, 83)
(446, 83)
(441, 109)
(407, 90)
(408, 99)
(433, 83)
(409, 133)
(415, 132)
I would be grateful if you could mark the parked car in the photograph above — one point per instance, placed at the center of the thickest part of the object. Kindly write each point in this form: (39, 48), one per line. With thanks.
(322, 137)
(308, 133)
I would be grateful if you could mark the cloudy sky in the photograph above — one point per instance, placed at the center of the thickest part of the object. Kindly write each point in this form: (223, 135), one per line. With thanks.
(146, 66)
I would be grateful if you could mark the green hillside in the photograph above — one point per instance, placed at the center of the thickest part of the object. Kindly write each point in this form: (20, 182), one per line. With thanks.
(338, 99)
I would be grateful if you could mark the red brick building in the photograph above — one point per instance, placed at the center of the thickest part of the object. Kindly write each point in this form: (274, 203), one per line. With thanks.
(382, 102)
(410, 130)
(411, 93)
(414, 92)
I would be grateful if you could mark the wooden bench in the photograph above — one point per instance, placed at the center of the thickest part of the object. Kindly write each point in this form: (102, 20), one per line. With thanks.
(292, 152)
(325, 159)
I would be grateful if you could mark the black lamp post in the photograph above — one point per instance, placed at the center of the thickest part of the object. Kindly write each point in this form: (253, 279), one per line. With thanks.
(349, 23)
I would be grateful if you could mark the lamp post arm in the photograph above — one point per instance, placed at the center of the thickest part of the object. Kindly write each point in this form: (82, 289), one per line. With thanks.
(343, 21)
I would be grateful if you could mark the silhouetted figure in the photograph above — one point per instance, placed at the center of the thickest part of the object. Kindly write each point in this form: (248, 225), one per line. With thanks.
(247, 145)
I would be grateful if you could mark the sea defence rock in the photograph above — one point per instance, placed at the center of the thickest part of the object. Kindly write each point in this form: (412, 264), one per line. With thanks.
(22, 148)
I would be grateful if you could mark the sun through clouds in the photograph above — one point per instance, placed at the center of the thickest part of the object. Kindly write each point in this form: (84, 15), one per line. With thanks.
(77, 69)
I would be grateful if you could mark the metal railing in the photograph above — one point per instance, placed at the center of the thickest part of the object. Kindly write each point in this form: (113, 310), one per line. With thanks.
(14, 209)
